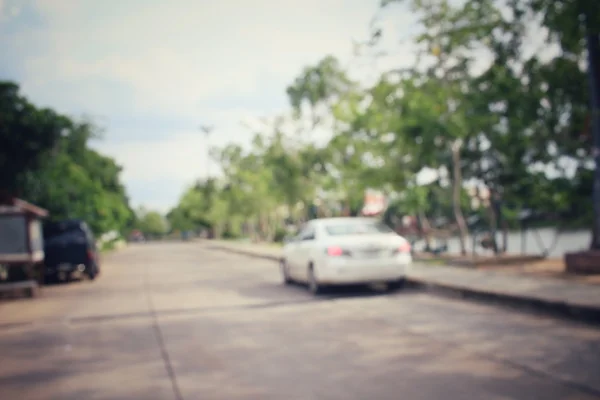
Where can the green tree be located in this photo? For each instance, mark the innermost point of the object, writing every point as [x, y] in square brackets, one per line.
[152, 223]
[501, 125]
[46, 159]
[27, 135]
[521, 110]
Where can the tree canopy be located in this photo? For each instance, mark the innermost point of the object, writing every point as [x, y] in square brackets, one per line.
[151, 223]
[478, 108]
[46, 158]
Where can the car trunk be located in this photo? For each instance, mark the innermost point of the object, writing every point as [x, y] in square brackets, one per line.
[68, 248]
[367, 245]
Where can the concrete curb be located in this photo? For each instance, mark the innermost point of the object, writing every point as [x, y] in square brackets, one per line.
[577, 312]
[244, 252]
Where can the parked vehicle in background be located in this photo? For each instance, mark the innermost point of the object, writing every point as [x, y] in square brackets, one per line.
[70, 250]
[136, 236]
[338, 251]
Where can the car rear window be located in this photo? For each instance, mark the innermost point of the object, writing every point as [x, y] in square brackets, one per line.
[64, 229]
[64, 238]
[356, 228]
[60, 228]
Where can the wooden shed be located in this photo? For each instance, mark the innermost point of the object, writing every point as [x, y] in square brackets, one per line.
[21, 245]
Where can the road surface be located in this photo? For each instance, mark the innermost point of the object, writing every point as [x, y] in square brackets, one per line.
[181, 321]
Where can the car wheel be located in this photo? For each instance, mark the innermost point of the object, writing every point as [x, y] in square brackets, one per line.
[285, 273]
[93, 272]
[395, 285]
[313, 283]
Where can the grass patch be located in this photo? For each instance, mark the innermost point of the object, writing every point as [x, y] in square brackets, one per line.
[432, 262]
[111, 245]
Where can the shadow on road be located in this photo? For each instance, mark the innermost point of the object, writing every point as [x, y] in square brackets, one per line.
[270, 290]
[58, 363]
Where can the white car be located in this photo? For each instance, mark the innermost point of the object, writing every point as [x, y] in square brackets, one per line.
[339, 251]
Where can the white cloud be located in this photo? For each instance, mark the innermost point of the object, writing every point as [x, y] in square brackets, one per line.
[175, 53]
[181, 156]
[8, 11]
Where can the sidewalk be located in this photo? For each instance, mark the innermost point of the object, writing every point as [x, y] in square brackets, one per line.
[558, 296]
[267, 251]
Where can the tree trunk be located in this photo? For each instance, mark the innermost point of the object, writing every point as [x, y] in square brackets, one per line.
[504, 237]
[263, 227]
[425, 228]
[456, 192]
[595, 245]
[273, 226]
[253, 227]
[267, 224]
[216, 231]
[346, 210]
[493, 227]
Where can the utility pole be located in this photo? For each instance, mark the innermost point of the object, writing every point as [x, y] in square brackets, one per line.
[207, 130]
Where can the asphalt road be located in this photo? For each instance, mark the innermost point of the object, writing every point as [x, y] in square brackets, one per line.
[180, 321]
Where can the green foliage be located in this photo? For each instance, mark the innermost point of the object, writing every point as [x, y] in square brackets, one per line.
[322, 84]
[501, 125]
[280, 235]
[229, 234]
[111, 244]
[27, 135]
[151, 223]
[46, 159]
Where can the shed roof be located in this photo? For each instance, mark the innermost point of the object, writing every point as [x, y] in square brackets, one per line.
[13, 204]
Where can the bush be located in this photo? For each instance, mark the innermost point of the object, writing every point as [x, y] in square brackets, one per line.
[280, 235]
[112, 244]
[229, 234]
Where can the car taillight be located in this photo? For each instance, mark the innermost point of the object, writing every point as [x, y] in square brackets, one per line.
[404, 248]
[90, 255]
[335, 251]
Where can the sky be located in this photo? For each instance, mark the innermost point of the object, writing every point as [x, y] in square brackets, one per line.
[152, 72]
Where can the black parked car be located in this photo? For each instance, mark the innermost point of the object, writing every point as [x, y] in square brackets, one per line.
[70, 249]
